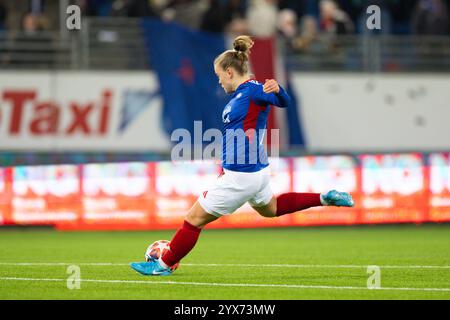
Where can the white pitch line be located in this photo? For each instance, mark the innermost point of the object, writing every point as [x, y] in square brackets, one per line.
[94, 264]
[215, 284]
[311, 266]
[106, 264]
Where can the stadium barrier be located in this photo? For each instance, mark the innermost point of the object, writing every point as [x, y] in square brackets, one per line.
[388, 188]
[124, 112]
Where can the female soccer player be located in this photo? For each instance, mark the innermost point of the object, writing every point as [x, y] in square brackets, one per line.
[245, 176]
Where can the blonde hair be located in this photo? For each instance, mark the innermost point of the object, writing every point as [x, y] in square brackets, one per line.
[238, 58]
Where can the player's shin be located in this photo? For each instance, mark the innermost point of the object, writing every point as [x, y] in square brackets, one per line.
[181, 244]
[293, 202]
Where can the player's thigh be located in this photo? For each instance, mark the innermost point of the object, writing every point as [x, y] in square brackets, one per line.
[198, 217]
[264, 202]
[229, 192]
[269, 210]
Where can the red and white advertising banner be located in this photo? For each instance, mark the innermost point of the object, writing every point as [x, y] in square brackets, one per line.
[393, 188]
[4, 199]
[439, 193]
[45, 194]
[390, 188]
[316, 174]
[177, 187]
[116, 193]
[69, 111]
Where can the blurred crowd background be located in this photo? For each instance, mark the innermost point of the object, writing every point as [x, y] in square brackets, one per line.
[290, 18]
[316, 34]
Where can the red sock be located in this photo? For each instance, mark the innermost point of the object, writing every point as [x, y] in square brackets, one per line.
[182, 243]
[293, 202]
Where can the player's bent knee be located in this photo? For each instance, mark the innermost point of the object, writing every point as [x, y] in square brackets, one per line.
[266, 212]
[269, 210]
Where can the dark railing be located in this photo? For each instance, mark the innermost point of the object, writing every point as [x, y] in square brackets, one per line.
[101, 44]
[43, 50]
[374, 53]
[118, 44]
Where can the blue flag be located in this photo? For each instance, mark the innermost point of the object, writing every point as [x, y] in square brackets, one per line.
[183, 60]
[296, 136]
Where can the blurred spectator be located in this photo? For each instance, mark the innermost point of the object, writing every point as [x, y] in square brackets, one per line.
[287, 29]
[186, 12]
[140, 8]
[308, 34]
[262, 18]
[3, 14]
[401, 12]
[119, 8]
[299, 7]
[32, 35]
[94, 7]
[158, 6]
[31, 24]
[430, 17]
[287, 23]
[116, 8]
[235, 16]
[225, 16]
[333, 20]
[85, 7]
[214, 19]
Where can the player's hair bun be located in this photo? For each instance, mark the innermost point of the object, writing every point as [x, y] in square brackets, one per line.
[243, 44]
[238, 58]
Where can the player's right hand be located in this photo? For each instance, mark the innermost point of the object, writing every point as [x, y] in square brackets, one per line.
[271, 86]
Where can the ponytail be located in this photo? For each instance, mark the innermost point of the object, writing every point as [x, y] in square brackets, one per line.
[238, 58]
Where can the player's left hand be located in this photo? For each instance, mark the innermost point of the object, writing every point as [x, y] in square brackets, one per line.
[271, 86]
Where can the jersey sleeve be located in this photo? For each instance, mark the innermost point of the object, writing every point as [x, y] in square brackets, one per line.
[280, 99]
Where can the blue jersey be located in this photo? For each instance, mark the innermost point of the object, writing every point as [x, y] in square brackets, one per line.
[245, 121]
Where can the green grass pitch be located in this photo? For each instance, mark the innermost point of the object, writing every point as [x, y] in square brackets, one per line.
[285, 263]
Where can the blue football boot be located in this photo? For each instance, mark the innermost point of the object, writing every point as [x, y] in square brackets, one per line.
[337, 199]
[150, 268]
